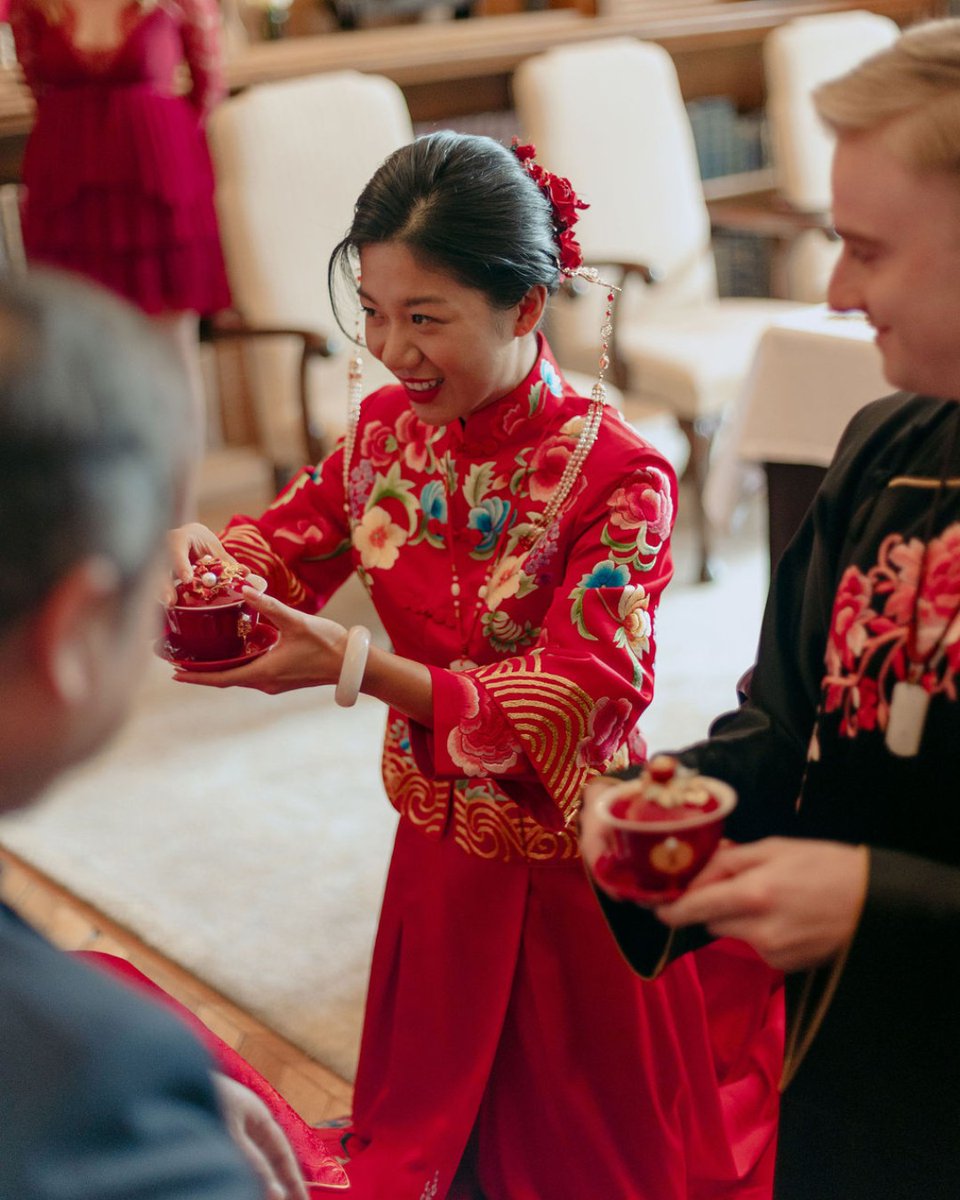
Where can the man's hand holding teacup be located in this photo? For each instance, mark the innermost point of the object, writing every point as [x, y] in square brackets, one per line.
[796, 901]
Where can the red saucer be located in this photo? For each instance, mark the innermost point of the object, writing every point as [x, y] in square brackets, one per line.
[263, 638]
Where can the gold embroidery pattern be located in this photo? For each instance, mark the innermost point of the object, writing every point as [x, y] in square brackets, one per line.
[424, 802]
[248, 545]
[484, 822]
[486, 828]
[497, 828]
[549, 845]
[550, 714]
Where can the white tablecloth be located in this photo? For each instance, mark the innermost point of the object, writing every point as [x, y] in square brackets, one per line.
[812, 372]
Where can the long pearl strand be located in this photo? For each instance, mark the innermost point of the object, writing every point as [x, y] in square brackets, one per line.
[588, 434]
[574, 465]
[354, 400]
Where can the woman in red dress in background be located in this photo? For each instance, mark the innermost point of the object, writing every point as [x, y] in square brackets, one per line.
[119, 185]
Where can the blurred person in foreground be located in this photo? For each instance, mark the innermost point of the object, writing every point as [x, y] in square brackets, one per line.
[103, 1094]
[848, 737]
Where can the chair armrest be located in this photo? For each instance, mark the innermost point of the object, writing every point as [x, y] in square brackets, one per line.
[231, 326]
[621, 271]
[778, 220]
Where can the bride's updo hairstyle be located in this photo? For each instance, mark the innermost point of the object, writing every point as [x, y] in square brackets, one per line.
[463, 205]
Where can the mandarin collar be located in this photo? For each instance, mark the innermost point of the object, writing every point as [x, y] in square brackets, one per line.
[515, 416]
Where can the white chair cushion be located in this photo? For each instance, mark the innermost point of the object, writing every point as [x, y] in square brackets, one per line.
[291, 159]
[609, 115]
[694, 361]
[798, 56]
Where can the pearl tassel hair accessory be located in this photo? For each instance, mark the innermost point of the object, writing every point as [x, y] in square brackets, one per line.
[354, 400]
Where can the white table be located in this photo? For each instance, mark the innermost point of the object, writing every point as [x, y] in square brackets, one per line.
[813, 370]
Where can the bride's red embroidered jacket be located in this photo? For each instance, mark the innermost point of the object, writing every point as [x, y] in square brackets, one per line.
[553, 642]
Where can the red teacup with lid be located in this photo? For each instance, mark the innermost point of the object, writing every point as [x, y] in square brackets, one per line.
[211, 620]
[646, 838]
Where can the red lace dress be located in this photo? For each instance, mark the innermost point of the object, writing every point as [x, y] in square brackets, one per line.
[119, 185]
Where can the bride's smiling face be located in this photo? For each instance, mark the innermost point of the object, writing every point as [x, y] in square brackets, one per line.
[449, 347]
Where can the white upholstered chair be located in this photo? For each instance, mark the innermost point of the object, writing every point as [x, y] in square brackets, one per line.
[798, 56]
[610, 116]
[291, 158]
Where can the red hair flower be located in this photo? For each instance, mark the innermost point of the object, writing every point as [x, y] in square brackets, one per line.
[564, 202]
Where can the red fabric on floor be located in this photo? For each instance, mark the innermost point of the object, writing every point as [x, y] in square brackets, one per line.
[319, 1167]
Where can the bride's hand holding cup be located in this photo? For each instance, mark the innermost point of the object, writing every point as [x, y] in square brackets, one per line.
[308, 653]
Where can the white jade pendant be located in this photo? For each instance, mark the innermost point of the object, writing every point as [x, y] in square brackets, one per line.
[908, 714]
[462, 664]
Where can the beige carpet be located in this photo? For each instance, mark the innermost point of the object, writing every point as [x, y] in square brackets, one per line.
[244, 836]
[247, 836]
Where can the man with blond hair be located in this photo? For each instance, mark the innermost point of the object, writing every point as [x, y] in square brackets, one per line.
[845, 750]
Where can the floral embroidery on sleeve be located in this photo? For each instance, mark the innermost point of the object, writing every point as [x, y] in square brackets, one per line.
[378, 444]
[483, 742]
[607, 726]
[644, 505]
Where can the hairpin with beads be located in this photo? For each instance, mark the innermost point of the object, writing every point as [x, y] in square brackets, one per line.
[566, 206]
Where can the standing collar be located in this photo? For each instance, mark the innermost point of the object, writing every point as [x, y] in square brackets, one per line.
[517, 415]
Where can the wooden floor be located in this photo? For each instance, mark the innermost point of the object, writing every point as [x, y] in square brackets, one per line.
[315, 1092]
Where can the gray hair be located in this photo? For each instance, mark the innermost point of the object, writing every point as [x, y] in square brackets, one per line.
[913, 87]
[93, 449]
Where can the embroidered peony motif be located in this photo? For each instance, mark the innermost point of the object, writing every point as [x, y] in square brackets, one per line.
[416, 438]
[646, 506]
[848, 632]
[551, 377]
[867, 651]
[940, 596]
[489, 519]
[483, 743]
[607, 728]
[433, 501]
[378, 444]
[605, 574]
[633, 751]
[547, 464]
[633, 627]
[378, 539]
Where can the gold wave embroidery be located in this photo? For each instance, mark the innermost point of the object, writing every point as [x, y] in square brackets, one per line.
[248, 544]
[489, 826]
[551, 714]
[424, 802]
[484, 828]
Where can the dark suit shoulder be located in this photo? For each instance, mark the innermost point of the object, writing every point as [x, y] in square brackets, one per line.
[883, 422]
